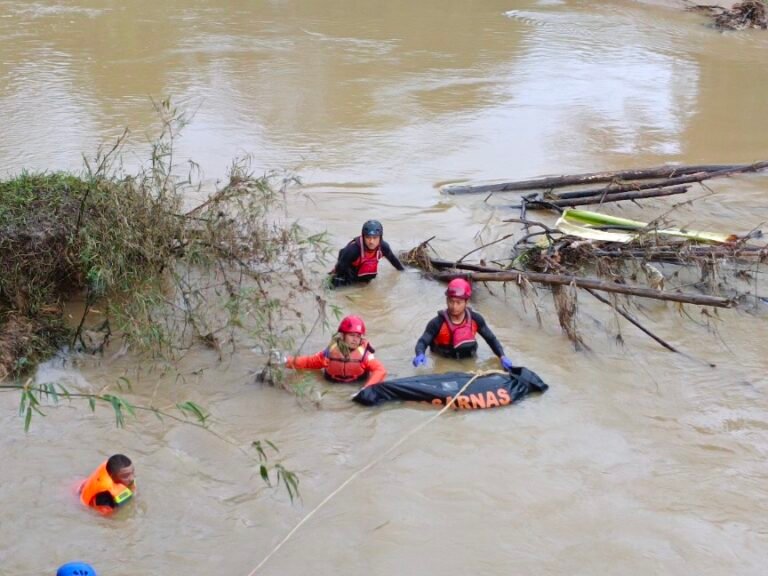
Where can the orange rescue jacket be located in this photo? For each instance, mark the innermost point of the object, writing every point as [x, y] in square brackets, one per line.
[100, 481]
[339, 369]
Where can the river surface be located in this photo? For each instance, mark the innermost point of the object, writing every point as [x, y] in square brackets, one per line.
[637, 461]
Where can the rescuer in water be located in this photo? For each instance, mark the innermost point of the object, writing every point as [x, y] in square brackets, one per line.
[348, 358]
[110, 486]
[452, 332]
[359, 260]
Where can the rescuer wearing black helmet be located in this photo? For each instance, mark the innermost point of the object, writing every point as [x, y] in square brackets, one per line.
[359, 260]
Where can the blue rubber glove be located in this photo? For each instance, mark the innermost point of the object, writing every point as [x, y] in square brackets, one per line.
[419, 360]
[506, 363]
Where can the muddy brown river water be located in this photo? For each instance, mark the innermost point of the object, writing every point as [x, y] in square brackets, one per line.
[637, 461]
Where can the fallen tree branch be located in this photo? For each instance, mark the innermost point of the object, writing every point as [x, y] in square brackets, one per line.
[484, 246]
[441, 264]
[448, 270]
[592, 283]
[529, 223]
[549, 182]
[632, 321]
[604, 197]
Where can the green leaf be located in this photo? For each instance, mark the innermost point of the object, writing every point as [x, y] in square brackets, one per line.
[271, 445]
[128, 407]
[289, 479]
[33, 401]
[64, 391]
[122, 381]
[260, 450]
[194, 409]
[116, 407]
[27, 419]
[264, 474]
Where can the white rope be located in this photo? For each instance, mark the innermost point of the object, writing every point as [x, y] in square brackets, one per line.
[367, 467]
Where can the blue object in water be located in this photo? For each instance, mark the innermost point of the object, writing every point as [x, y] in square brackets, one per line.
[76, 569]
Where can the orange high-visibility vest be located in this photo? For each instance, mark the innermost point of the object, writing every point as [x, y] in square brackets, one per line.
[346, 368]
[101, 481]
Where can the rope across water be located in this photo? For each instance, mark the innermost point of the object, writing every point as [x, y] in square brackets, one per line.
[368, 466]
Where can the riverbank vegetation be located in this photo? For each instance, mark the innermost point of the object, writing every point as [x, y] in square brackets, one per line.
[142, 264]
[162, 275]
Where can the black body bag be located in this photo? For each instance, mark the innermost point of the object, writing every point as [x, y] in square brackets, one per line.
[489, 391]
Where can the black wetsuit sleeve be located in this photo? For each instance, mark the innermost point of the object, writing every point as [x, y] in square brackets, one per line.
[487, 334]
[104, 499]
[347, 256]
[430, 333]
[389, 255]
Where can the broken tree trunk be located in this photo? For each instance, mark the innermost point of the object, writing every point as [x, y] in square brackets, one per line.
[603, 198]
[591, 283]
[549, 182]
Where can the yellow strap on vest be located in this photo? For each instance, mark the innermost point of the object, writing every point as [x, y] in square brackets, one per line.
[123, 497]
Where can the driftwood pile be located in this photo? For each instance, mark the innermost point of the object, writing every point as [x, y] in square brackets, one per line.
[646, 262]
[741, 16]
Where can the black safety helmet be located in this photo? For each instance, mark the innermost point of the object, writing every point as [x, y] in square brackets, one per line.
[373, 228]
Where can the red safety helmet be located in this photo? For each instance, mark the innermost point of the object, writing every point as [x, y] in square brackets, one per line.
[459, 288]
[352, 325]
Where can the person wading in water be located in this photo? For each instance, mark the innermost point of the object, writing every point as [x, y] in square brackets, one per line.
[359, 260]
[452, 332]
[348, 359]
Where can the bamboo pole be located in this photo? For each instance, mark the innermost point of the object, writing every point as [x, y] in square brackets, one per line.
[549, 182]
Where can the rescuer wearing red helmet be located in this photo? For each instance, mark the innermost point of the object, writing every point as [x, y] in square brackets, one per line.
[452, 332]
[348, 358]
[359, 260]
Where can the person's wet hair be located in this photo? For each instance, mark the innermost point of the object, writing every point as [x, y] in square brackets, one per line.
[117, 463]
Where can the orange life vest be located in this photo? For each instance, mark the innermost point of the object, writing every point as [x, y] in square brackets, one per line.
[346, 369]
[368, 262]
[101, 481]
[453, 338]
